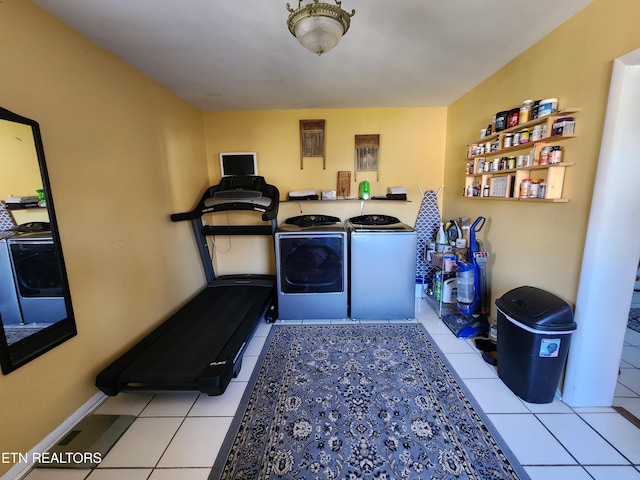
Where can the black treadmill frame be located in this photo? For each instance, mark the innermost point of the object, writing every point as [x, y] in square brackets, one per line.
[215, 374]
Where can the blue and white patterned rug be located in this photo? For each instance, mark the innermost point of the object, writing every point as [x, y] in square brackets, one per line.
[359, 402]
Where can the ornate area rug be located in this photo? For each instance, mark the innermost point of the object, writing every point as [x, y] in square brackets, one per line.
[634, 319]
[359, 402]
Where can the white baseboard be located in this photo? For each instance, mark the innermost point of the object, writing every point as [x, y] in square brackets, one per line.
[20, 469]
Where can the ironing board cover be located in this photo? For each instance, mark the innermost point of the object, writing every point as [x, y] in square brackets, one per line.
[426, 227]
[6, 220]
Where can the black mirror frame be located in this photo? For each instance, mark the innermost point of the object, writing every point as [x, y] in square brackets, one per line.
[17, 354]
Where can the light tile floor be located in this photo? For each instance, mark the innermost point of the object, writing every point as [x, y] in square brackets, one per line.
[627, 392]
[177, 435]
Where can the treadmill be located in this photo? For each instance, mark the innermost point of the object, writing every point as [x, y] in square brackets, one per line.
[200, 347]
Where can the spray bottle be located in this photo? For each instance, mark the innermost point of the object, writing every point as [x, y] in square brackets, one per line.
[365, 190]
[441, 238]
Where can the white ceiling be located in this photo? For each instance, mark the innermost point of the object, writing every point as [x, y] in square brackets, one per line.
[239, 54]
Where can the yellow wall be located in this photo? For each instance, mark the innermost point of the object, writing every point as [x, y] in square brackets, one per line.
[542, 244]
[123, 154]
[411, 153]
[18, 161]
[19, 169]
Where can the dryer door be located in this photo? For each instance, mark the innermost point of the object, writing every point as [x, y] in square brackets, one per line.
[311, 264]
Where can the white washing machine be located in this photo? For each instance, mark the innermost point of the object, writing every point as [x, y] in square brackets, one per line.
[311, 266]
[382, 268]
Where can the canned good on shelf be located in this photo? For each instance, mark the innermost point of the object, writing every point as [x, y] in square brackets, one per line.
[542, 192]
[535, 108]
[516, 138]
[501, 120]
[534, 188]
[544, 155]
[513, 117]
[548, 106]
[528, 161]
[564, 125]
[525, 111]
[536, 133]
[555, 155]
[508, 140]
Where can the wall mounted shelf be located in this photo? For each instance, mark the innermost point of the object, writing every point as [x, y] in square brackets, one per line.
[504, 184]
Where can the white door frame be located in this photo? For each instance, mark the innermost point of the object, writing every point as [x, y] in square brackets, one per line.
[612, 247]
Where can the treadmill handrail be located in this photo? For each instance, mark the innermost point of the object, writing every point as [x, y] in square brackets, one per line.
[207, 204]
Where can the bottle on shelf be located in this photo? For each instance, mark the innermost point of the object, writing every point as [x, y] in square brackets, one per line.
[525, 111]
[437, 285]
[525, 187]
[441, 238]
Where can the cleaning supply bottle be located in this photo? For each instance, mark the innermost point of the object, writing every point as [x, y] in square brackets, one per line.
[365, 191]
[441, 237]
[437, 285]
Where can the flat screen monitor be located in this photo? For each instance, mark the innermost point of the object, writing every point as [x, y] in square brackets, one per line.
[238, 163]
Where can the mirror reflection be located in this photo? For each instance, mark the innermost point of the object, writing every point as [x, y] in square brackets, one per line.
[35, 305]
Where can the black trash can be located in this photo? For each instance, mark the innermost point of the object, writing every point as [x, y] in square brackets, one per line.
[534, 332]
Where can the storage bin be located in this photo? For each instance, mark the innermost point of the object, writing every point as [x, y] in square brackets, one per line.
[534, 333]
[445, 261]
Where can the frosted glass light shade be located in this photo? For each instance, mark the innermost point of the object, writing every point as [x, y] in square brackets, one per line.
[318, 26]
[319, 34]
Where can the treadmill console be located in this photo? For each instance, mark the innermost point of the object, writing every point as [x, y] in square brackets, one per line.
[240, 186]
[239, 192]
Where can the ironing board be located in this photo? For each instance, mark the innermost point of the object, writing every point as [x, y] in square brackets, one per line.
[6, 220]
[427, 225]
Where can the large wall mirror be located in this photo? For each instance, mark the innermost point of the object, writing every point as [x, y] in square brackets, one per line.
[35, 304]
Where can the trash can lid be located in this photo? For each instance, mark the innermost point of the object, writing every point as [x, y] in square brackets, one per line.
[537, 309]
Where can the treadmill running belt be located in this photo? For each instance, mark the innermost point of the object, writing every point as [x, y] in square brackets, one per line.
[197, 347]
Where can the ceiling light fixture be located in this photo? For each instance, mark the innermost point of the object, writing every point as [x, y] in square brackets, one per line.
[319, 26]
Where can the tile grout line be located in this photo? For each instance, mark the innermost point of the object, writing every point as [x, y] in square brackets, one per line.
[630, 463]
[628, 415]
